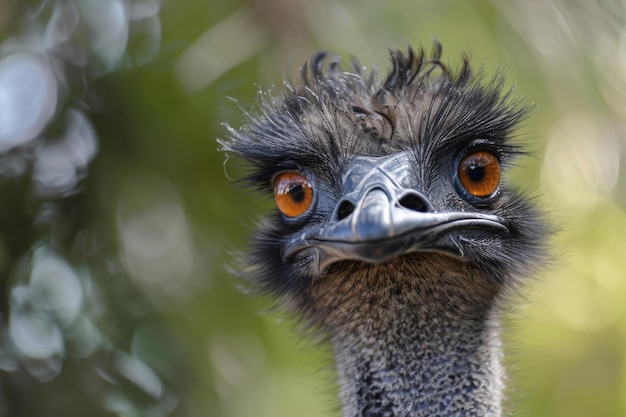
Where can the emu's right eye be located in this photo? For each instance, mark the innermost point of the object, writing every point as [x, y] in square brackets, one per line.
[479, 173]
[293, 194]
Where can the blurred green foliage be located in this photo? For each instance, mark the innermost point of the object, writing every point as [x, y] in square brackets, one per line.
[156, 218]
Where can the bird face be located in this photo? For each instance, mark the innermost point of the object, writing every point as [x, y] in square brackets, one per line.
[405, 178]
[382, 214]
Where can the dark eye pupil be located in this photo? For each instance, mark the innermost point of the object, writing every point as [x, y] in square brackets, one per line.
[296, 191]
[475, 172]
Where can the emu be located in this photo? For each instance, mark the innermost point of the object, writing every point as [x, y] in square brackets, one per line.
[396, 234]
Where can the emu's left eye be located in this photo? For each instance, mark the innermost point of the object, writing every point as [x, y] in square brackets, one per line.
[479, 173]
[293, 194]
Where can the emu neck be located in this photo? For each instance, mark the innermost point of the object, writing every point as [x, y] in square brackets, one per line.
[417, 347]
[434, 368]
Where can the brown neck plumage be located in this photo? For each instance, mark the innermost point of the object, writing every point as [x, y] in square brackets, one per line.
[407, 344]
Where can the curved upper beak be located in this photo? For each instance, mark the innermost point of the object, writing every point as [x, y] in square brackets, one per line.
[378, 219]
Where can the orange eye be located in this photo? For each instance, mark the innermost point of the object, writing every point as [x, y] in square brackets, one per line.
[293, 194]
[479, 173]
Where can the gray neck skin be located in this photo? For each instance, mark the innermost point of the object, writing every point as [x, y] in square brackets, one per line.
[422, 367]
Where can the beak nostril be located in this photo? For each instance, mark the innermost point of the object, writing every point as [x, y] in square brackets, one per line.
[414, 202]
[344, 210]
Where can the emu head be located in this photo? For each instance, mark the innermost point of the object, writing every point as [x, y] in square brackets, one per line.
[391, 193]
